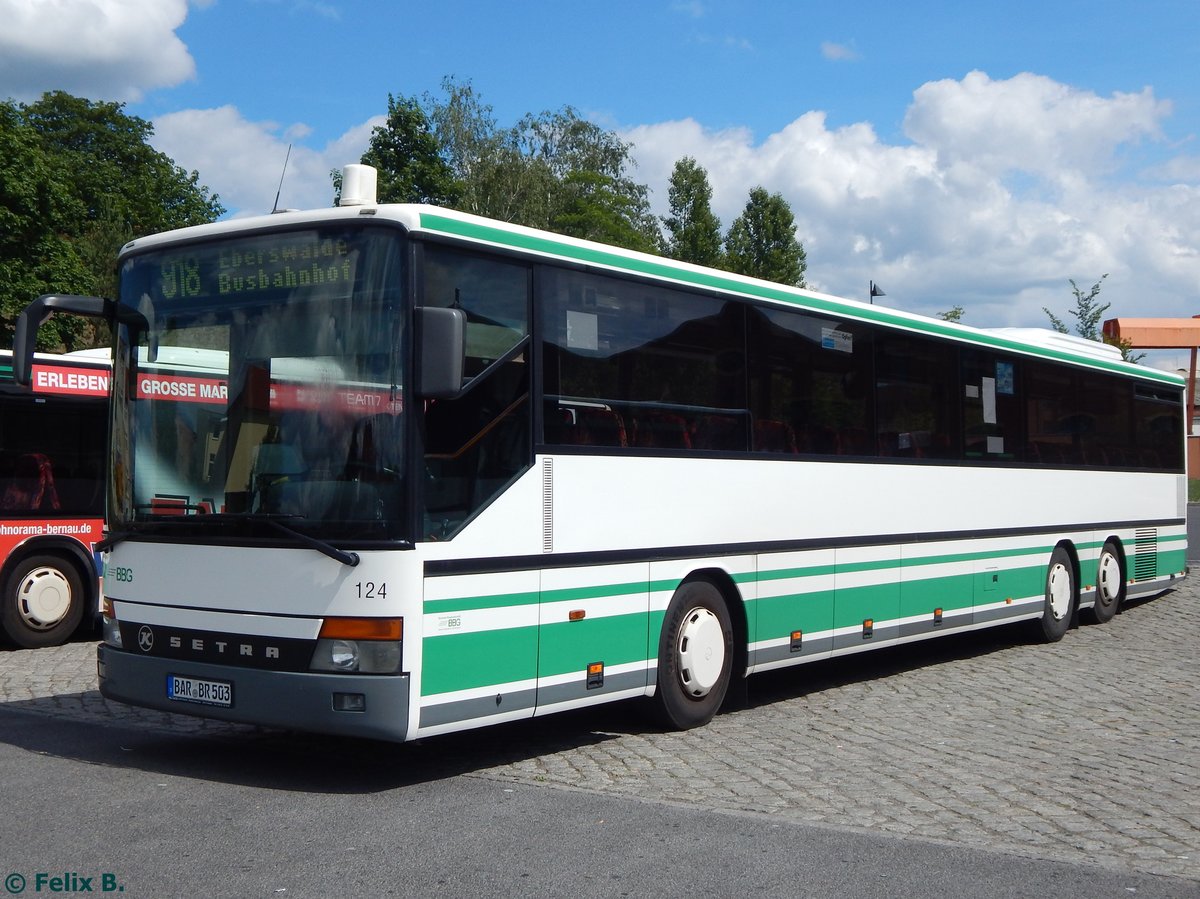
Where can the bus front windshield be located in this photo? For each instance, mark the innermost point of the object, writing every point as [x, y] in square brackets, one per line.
[257, 385]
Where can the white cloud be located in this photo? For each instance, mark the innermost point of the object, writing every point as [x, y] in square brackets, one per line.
[242, 161]
[838, 52]
[101, 49]
[1006, 190]
[1030, 123]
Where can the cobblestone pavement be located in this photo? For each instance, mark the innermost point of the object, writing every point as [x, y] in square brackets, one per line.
[1083, 751]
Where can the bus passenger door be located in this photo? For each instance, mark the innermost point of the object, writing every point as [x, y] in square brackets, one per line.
[593, 635]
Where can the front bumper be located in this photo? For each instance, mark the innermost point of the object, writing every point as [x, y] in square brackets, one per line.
[292, 700]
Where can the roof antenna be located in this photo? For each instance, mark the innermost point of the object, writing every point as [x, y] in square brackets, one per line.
[275, 208]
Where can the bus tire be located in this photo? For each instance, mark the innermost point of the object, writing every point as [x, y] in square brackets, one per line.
[1060, 598]
[1110, 584]
[43, 601]
[695, 656]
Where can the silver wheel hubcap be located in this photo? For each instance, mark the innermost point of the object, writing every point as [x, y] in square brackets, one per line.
[1110, 578]
[1058, 591]
[701, 652]
[44, 598]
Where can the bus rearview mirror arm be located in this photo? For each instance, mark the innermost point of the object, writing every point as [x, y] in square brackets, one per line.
[31, 318]
[33, 315]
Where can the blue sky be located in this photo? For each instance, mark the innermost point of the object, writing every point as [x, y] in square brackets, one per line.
[957, 154]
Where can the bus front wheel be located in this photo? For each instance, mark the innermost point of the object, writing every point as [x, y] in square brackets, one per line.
[695, 656]
[1060, 598]
[43, 602]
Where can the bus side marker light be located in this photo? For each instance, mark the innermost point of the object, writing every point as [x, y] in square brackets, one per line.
[576, 615]
[797, 641]
[595, 675]
[868, 627]
[937, 616]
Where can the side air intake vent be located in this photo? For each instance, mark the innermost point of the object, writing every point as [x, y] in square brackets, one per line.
[1145, 554]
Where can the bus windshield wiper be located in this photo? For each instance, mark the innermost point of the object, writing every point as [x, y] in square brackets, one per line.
[275, 520]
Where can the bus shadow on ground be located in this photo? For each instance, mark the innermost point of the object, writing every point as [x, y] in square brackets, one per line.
[283, 760]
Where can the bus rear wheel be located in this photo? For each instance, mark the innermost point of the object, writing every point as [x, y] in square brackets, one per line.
[695, 656]
[1060, 598]
[1110, 584]
[43, 602]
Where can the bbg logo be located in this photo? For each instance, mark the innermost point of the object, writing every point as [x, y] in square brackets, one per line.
[121, 575]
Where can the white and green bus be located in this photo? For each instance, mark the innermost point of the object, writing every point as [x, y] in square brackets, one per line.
[443, 472]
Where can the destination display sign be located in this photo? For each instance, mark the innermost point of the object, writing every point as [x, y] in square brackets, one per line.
[250, 265]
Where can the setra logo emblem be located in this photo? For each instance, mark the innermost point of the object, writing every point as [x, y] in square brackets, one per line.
[145, 639]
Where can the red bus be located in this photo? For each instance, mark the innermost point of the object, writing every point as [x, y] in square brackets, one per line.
[52, 458]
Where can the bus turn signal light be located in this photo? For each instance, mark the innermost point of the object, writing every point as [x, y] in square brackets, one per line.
[362, 629]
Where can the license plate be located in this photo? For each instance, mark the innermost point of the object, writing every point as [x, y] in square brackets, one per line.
[198, 690]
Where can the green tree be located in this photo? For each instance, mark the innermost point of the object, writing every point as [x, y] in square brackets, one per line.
[114, 167]
[77, 180]
[1089, 315]
[954, 315]
[553, 170]
[693, 231]
[407, 156]
[762, 241]
[1088, 312]
[38, 211]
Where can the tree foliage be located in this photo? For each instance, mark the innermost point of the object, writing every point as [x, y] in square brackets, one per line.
[762, 241]
[78, 179]
[405, 153]
[552, 170]
[1088, 312]
[1089, 316]
[557, 171]
[693, 231]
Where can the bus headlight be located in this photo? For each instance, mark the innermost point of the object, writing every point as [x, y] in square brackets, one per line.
[359, 646]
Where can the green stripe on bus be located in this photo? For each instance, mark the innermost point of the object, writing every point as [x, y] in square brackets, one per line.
[481, 659]
[572, 645]
[1171, 562]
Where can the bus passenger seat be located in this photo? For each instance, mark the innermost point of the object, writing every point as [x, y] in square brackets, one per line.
[32, 485]
[601, 427]
[662, 430]
[772, 436]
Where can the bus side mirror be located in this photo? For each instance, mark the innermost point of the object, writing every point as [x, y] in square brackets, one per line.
[441, 351]
[31, 318]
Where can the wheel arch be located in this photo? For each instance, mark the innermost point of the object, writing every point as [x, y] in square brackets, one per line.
[736, 605]
[1119, 544]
